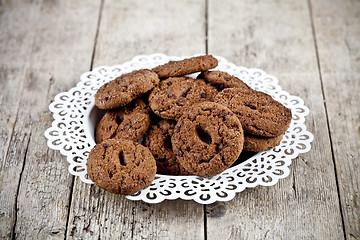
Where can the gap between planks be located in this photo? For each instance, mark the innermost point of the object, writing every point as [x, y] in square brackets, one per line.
[23, 164]
[96, 34]
[18, 189]
[326, 113]
[206, 25]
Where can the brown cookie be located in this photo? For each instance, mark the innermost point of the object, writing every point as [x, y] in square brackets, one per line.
[258, 112]
[171, 97]
[222, 80]
[128, 122]
[208, 139]
[186, 66]
[122, 90]
[258, 144]
[121, 166]
[158, 140]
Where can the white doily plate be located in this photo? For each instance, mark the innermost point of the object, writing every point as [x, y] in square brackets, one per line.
[75, 117]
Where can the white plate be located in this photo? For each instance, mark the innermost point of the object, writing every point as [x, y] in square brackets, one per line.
[75, 117]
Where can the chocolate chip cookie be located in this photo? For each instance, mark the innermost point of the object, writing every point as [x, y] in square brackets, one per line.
[128, 122]
[258, 112]
[170, 98]
[124, 89]
[222, 80]
[186, 66]
[208, 139]
[158, 140]
[121, 166]
[258, 144]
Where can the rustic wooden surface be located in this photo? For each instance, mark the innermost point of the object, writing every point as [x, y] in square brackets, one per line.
[297, 202]
[312, 46]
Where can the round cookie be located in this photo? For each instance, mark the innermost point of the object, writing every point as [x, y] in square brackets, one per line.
[158, 140]
[258, 112]
[208, 139]
[128, 122]
[125, 88]
[186, 66]
[258, 144]
[121, 166]
[171, 97]
[222, 80]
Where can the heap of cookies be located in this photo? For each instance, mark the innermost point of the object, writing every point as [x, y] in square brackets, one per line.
[188, 126]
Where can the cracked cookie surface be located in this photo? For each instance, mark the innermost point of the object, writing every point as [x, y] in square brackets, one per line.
[258, 112]
[186, 66]
[208, 139]
[171, 97]
[222, 80]
[125, 88]
[128, 122]
[121, 166]
[158, 140]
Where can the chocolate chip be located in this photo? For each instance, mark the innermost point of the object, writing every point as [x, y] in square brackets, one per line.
[222, 114]
[110, 174]
[203, 95]
[169, 83]
[169, 95]
[180, 153]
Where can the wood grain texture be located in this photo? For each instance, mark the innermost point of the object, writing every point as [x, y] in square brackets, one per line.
[313, 47]
[13, 52]
[169, 27]
[143, 27]
[37, 47]
[337, 35]
[276, 36]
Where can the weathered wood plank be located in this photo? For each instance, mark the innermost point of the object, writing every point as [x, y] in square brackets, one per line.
[277, 37]
[169, 27]
[129, 28]
[13, 52]
[37, 47]
[337, 35]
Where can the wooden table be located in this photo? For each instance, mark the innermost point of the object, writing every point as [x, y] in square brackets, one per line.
[312, 46]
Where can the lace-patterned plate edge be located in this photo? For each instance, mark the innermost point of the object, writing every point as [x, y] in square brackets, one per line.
[70, 135]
